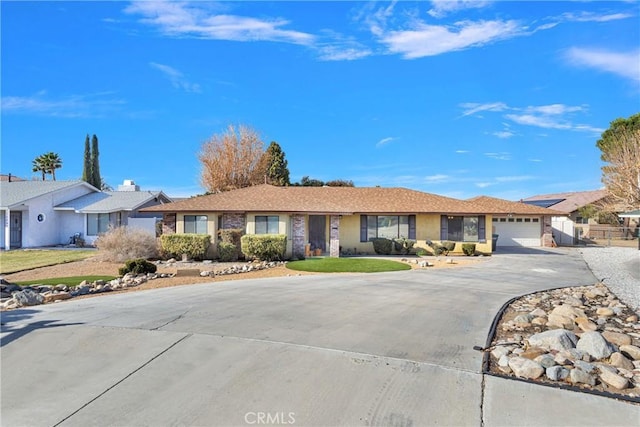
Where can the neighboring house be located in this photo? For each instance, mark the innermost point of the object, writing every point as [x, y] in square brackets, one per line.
[46, 213]
[340, 219]
[570, 225]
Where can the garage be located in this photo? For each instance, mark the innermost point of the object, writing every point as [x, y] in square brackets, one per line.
[523, 231]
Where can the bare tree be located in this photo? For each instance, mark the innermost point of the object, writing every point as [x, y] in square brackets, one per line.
[621, 174]
[233, 159]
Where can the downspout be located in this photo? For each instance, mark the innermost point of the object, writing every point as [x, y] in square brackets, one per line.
[7, 229]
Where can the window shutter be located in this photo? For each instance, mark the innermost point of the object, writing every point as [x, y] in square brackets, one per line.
[444, 227]
[412, 227]
[363, 228]
[482, 232]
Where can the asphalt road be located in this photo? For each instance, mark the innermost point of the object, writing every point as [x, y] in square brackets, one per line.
[379, 349]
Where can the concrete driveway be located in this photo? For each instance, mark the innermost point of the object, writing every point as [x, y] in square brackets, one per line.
[382, 349]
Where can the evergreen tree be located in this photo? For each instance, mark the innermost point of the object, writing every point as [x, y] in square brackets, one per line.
[87, 174]
[51, 161]
[277, 170]
[96, 180]
[39, 166]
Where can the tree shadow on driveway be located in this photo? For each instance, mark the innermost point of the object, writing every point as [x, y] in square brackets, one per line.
[13, 325]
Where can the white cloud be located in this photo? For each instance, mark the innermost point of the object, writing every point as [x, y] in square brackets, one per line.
[71, 106]
[462, 152]
[499, 156]
[385, 141]
[471, 108]
[484, 184]
[623, 64]
[341, 52]
[199, 20]
[442, 8]
[503, 134]
[438, 178]
[429, 40]
[176, 78]
[593, 17]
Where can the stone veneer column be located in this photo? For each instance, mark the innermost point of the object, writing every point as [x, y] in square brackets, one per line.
[334, 236]
[298, 243]
[547, 232]
[233, 220]
[168, 223]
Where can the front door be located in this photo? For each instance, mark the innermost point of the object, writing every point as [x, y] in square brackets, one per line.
[15, 230]
[317, 232]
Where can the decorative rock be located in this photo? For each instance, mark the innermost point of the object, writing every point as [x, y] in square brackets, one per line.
[604, 312]
[28, 298]
[83, 289]
[532, 353]
[559, 321]
[61, 288]
[585, 324]
[60, 296]
[584, 366]
[594, 344]
[525, 368]
[568, 311]
[573, 301]
[499, 351]
[539, 321]
[503, 362]
[631, 350]
[618, 360]
[557, 373]
[538, 312]
[617, 338]
[631, 319]
[577, 376]
[614, 380]
[557, 339]
[523, 319]
[545, 360]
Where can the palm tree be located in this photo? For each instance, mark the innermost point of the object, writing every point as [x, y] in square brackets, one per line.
[47, 163]
[52, 161]
[39, 166]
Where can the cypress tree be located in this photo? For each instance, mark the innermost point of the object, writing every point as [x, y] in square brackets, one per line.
[96, 180]
[87, 175]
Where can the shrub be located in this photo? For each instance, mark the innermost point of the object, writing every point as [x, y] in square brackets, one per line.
[230, 236]
[137, 266]
[381, 245]
[449, 246]
[469, 249]
[227, 252]
[423, 252]
[403, 245]
[193, 245]
[122, 243]
[265, 247]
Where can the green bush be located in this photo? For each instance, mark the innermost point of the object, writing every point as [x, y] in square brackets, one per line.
[233, 236]
[227, 252]
[449, 246]
[265, 247]
[403, 245]
[193, 245]
[423, 252]
[137, 266]
[381, 245]
[469, 249]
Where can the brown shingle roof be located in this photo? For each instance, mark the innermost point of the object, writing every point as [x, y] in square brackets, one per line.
[328, 200]
[571, 201]
[501, 206]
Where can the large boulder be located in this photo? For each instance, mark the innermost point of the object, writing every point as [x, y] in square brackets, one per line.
[525, 368]
[556, 339]
[594, 343]
[28, 297]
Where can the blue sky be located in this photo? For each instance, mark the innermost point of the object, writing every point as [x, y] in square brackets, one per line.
[457, 98]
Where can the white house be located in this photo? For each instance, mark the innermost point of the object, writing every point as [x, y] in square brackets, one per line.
[47, 213]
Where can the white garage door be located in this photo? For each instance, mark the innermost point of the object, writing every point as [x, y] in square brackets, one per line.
[521, 231]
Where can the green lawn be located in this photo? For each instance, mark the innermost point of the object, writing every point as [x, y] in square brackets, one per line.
[26, 259]
[69, 281]
[347, 265]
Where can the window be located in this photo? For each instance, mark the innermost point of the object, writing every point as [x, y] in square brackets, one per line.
[195, 224]
[387, 226]
[97, 223]
[268, 224]
[463, 228]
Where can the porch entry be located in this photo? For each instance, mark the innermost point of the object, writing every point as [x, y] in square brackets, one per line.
[318, 232]
[15, 229]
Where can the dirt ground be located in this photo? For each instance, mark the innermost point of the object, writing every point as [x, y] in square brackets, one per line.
[93, 267]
